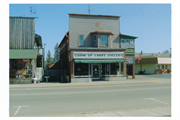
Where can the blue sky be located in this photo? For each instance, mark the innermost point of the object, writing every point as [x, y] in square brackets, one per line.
[150, 22]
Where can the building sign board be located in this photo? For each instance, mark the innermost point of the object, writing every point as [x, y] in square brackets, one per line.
[97, 55]
[129, 60]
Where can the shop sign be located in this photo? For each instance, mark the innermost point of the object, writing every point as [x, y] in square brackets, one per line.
[129, 60]
[101, 55]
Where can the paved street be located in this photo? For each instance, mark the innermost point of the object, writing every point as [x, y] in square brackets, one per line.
[152, 99]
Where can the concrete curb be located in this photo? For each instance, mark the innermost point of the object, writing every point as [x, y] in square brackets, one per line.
[102, 83]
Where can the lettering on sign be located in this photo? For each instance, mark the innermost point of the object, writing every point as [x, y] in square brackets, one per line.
[98, 55]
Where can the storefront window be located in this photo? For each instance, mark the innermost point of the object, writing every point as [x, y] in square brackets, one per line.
[122, 68]
[162, 66]
[81, 69]
[114, 68]
[20, 68]
[105, 69]
[158, 67]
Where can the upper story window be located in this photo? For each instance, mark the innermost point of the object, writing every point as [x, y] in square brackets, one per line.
[104, 40]
[100, 38]
[81, 40]
[94, 40]
[132, 43]
[127, 43]
[123, 43]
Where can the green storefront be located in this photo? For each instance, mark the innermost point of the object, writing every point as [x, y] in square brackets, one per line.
[92, 66]
[22, 65]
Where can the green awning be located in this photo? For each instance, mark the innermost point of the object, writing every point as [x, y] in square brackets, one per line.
[98, 60]
[23, 54]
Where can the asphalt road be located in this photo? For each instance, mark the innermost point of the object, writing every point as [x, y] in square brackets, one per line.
[66, 101]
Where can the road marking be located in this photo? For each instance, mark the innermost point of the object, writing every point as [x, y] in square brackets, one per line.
[155, 100]
[19, 108]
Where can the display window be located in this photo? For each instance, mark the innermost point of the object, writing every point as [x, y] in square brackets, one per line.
[81, 69]
[98, 70]
[20, 68]
[105, 69]
[114, 68]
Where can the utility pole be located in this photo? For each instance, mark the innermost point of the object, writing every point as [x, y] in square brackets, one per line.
[44, 53]
[170, 52]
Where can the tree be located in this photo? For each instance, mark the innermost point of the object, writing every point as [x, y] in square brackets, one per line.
[56, 53]
[49, 59]
[166, 51]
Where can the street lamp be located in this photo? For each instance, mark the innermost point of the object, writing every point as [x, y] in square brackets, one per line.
[44, 49]
[44, 53]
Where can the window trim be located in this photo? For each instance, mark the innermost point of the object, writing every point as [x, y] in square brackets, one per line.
[79, 40]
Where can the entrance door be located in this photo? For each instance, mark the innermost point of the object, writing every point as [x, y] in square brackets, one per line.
[129, 69]
[95, 71]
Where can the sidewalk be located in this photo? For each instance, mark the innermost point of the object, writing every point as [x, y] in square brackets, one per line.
[161, 111]
[139, 80]
[158, 111]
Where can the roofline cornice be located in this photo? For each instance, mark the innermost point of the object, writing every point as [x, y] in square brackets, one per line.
[93, 15]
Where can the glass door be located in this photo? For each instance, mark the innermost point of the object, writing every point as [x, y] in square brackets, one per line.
[96, 71]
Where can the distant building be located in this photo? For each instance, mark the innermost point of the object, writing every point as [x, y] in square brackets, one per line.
[94, 49]
[153, 63]
[25, 61]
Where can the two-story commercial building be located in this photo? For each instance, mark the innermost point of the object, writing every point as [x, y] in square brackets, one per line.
[94, 49]
[25, 61]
